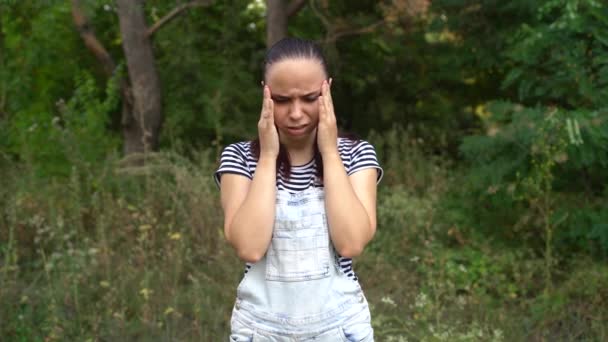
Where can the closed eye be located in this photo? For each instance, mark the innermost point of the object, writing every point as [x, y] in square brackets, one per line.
[312, 98]
[280, 99]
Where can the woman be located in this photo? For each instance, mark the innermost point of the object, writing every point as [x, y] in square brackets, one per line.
[299, 202]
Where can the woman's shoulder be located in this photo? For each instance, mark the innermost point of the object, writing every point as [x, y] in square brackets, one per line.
[242, 148]
[348, 145]
[358, 155]
[244, 145]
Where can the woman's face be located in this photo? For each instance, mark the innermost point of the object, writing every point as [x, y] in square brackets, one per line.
[295, 85]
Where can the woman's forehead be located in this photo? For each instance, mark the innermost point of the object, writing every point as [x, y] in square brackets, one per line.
[302, 73]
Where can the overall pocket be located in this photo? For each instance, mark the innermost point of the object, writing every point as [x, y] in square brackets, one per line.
[299, 250]
[334, 335]
[239, 331]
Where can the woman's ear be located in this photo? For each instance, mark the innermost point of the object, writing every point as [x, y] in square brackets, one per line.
[330, 79]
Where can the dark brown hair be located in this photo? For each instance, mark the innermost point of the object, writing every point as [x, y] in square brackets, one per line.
[294, 48]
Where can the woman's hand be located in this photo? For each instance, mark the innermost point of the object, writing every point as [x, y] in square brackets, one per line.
[327, 131]
[267, 132]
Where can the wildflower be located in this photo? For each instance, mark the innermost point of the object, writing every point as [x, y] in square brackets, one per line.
[421, 300]
[145, 227]
[146, 292]
[388, 300]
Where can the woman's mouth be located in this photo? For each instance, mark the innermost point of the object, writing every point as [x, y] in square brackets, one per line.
[296, 130]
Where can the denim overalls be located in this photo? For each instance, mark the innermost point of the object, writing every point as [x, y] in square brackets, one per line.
[297, 292]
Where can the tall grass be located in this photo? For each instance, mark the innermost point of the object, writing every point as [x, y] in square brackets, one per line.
[115, 253]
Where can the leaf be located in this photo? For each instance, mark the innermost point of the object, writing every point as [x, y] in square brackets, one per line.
[600, 232]
[602, 36]
[599, 13]
[512, 76]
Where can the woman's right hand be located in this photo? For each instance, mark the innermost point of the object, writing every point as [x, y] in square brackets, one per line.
[267, 132]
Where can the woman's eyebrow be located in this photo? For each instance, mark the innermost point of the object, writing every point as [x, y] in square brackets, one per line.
[285, 97]
[317, 92]
[277, 96]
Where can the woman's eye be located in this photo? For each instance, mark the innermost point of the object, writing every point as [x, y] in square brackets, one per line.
[312, 98]
[280, 100]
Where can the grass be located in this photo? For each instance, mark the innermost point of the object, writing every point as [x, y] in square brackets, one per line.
[136, 253]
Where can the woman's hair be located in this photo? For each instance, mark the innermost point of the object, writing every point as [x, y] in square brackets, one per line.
[293, 48]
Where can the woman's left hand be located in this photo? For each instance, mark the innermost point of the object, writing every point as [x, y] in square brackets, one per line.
[327, 131]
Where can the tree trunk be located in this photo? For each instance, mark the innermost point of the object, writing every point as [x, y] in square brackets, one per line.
[141, 125]
[276, 21]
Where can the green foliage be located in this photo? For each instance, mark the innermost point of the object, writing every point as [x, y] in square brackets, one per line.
[211, 87]
[561, 58]
[420, 173]
[42, 66]
[390, 78]
[542, 149]
[74, 136]
[532, 153]
[37, 40]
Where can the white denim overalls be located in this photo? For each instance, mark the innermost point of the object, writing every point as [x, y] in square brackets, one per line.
[297, 292]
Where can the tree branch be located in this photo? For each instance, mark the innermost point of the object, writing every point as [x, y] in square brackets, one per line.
[332, 37]
[334, 33]
[294, 7]
[321, 17]
[175, 12]
[94, 45]
[90, 40]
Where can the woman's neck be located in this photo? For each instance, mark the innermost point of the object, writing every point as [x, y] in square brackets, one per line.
[300, 156]
[301, 152]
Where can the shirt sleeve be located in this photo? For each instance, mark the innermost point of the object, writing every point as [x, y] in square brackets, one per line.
[363, 156]
[232, 160]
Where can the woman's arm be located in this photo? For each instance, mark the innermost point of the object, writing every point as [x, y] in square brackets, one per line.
[249, 210]
[350, 203]
[249, 206]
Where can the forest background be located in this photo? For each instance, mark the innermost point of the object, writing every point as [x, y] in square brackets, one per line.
[490, 119]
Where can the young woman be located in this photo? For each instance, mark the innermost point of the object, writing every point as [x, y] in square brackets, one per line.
[299, 202]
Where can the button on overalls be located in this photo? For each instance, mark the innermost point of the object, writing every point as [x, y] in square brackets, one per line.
[297, 292]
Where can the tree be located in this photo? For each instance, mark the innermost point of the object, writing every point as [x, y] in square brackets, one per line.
[142, 127]
[277, 16]
[142, 115]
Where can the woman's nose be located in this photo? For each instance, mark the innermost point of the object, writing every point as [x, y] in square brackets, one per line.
[295, 111]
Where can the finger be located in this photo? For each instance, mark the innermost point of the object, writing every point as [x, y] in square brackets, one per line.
[266, 103]
[327, 100]
[270, 114]
[330, 101]
[322, 109]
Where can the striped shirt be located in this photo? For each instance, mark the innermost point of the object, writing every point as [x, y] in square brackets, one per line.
[356, 155]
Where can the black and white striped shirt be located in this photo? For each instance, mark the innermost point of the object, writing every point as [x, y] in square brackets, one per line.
[356, 155]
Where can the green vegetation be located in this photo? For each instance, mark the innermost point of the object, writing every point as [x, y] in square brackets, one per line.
[490, 120]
